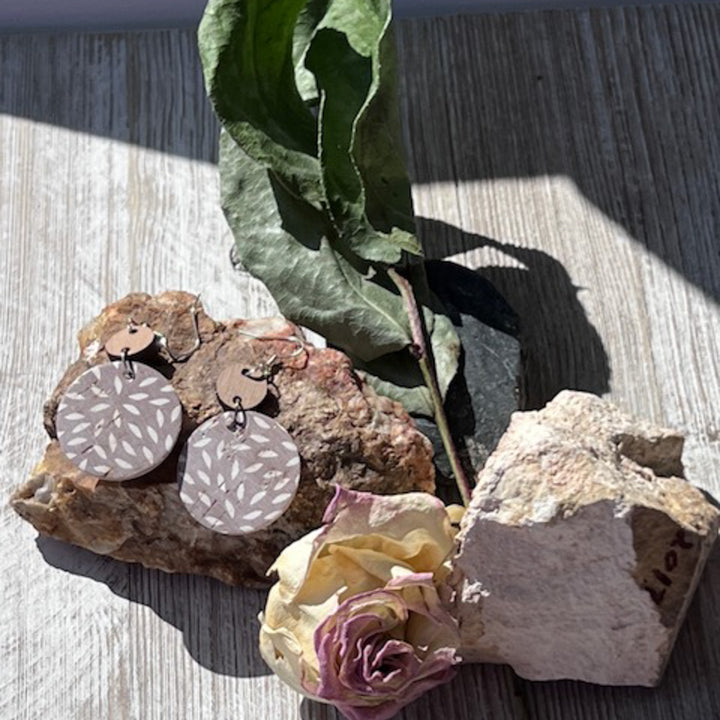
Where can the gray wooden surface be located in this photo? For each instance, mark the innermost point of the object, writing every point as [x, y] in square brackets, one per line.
[573, 157]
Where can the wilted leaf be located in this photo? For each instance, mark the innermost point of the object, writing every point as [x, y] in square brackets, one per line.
[246, 48]
[286, 243]
[314, 183]
[352, 58]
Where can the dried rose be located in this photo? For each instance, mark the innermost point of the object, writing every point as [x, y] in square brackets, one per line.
[384, 648]
[399, 544]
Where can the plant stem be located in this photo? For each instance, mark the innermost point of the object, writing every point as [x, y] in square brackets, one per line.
[422, 351]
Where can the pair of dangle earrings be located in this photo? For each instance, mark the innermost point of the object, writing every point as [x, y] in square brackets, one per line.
[238, 471]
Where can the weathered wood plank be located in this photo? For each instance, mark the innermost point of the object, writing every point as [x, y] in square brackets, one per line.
[573, 156]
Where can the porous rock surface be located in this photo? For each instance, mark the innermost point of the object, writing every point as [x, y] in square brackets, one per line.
[344, 431]
[582, 547]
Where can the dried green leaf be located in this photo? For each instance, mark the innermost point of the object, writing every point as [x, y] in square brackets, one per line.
[287, 244]
[246, 48]
[314, 183]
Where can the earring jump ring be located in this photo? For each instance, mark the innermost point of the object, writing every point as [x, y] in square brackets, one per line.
[239, 420]
[128, 369]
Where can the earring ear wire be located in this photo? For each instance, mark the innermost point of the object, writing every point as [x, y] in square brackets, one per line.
[163, 341]
[265, 368]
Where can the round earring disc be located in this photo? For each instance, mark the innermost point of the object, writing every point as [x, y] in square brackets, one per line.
[238, 481]
[115, 427]
[134, 339]
[234, 382]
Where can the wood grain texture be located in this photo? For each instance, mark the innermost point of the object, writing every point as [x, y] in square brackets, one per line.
[571, 156]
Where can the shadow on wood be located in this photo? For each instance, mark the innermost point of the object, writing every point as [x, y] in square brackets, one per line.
[140, 88]
[621, 102]
[218, 623]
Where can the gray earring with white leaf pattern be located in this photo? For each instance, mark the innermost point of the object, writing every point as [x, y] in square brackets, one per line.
[239, 471]
[120, 420]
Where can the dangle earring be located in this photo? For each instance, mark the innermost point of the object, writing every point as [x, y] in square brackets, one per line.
[120, 420]
[239, 471]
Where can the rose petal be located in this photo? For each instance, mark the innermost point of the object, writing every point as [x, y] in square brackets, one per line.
[415, 525]
[367, 665]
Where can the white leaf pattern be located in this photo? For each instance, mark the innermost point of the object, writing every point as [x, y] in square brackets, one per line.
[240, 473]
[204, 477]
[257, 497]
[99, 403]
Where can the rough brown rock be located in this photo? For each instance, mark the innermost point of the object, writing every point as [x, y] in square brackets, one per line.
[345, 433]
[582, 547]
